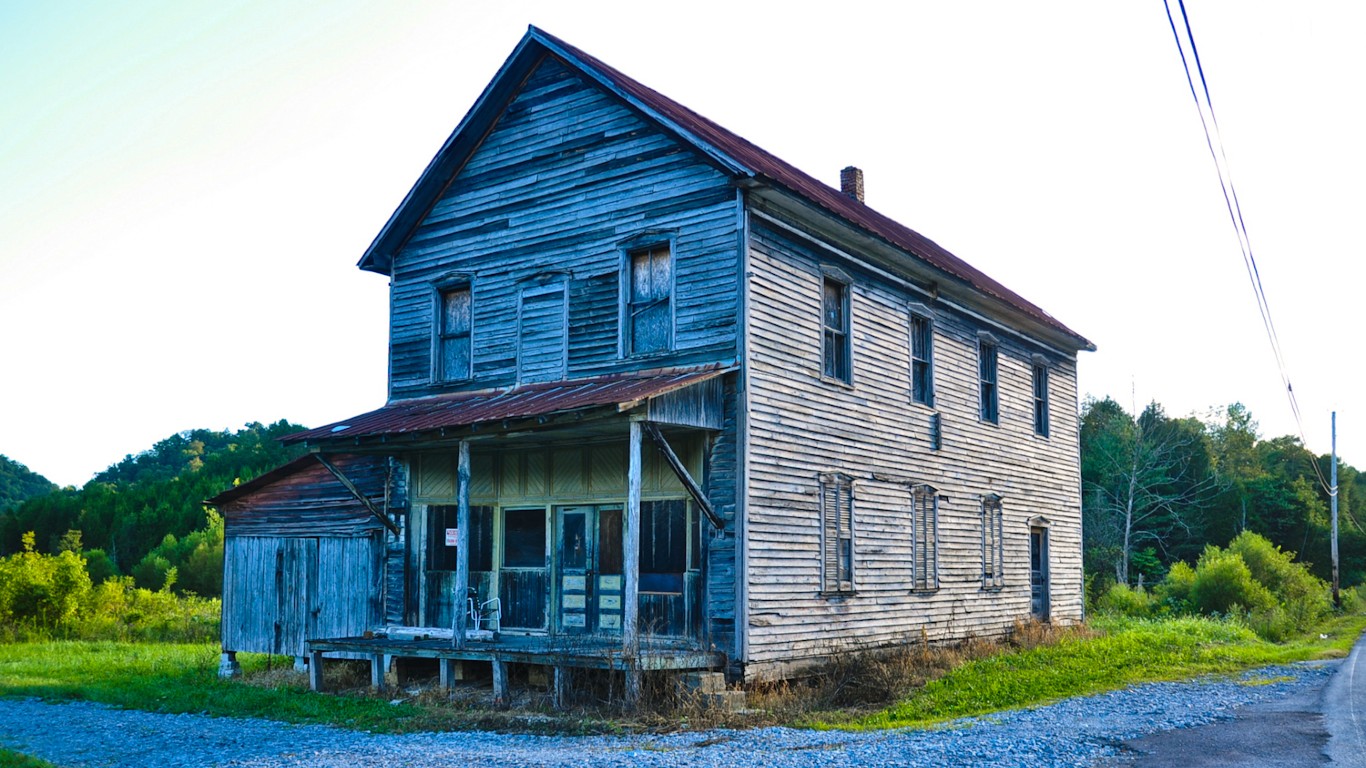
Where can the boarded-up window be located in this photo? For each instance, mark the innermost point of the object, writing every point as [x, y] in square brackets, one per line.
[663, 545]
[453, 338]
[924, 538]
[442, 530]
[922, 352]
[541, 337]
[649, 307]
[837, 532]
[1040, 399]
[524, 538]
[993, 549]
[986, 375]
[835, 330]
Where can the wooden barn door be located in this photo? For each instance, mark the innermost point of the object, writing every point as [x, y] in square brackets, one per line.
[296, 579]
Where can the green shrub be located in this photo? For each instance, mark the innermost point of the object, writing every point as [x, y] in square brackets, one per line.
[1304, 599]
[1223, 582]
[50, 596]
[1124, 600]
[42, 590]
[1175, 589]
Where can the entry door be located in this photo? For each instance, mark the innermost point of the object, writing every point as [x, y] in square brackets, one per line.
[1038, 572]
[588, 570]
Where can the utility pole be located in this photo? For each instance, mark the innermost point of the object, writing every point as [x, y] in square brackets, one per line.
[1333, 499]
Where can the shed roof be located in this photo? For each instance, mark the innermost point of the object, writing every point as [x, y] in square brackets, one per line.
[737, 155]
[464, 409]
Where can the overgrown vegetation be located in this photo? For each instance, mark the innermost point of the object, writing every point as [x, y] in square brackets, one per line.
[145, 516]
[1251, 581]
[51, 596]
[1157, 490]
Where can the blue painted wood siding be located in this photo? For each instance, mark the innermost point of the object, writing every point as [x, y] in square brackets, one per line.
[568, 180]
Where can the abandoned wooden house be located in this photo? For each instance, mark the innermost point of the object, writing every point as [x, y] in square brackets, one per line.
[660, 400]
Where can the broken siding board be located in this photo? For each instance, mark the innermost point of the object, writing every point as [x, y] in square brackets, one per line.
[563, 184]
[801, 425]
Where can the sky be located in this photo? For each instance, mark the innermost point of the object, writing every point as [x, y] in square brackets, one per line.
[186, 186]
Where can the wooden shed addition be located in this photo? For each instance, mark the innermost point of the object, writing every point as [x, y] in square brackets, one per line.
[660, 400]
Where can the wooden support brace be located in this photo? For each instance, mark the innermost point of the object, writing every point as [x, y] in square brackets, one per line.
[350, 486]
[501, 697]
[451, 670]
[564, 681]
[315, 671]
[694, 489]
[634, 680]
[377, 671]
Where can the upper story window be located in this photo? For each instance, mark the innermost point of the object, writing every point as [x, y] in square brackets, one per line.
[922, 358]
[1040, 398]
[837, 532]
[835, 341]
[986, 378]
[648, 314]
[453, 348]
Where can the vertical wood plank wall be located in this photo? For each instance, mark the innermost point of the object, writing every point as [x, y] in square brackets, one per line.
[801, 425]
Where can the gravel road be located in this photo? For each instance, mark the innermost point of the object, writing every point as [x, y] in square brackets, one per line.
[1069, 733]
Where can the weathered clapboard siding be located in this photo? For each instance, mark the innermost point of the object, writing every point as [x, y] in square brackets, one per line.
[311, 502]
[801, 425]
[567, 174]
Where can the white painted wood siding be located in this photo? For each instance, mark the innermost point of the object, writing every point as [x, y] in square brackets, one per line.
[801, 425]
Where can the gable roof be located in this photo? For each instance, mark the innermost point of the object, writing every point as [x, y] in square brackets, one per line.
[736, 155]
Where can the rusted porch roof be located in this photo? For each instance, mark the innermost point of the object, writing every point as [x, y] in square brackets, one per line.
[463, 409]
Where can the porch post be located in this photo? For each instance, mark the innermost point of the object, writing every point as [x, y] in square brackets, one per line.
[630, 547]
[459, 616]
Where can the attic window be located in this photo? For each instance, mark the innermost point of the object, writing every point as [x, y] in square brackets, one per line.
[453, 348]
[647, 321]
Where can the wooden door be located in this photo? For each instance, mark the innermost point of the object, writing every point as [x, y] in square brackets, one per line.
[589, 575]
[1038, 573]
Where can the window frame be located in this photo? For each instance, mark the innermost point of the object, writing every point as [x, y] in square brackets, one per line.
[924, 548]
[993, 545]
[840, 339]
[440, 335]
[625, 323]
[920, 316]
[1039, 385]
[988, 378]
[838, 571]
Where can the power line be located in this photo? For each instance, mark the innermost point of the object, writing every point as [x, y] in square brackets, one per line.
[1214, 139]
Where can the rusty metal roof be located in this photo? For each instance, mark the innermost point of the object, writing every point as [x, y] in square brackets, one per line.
[463, 409]
[774, 169]
[736, 154]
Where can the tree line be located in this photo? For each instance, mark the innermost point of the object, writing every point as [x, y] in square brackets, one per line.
[1158, 490]
[144, 516]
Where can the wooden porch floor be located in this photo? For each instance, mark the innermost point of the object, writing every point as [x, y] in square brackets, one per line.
[557, 651]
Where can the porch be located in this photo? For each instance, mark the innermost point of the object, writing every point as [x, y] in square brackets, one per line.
[561, 653]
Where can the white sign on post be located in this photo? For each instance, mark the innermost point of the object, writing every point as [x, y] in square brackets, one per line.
[451, 535]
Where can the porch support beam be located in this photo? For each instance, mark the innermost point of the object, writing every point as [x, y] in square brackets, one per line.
[630, 547]
[459, 616]
[351, 487]
[683, 475]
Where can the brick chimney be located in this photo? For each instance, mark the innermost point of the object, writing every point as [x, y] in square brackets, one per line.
[851, 182]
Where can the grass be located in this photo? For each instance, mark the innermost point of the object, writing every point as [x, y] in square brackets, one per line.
[10, 759]
[930, 684]
[163, 677]
[1128, 651]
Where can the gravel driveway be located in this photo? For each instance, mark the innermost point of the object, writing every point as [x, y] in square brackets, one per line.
[1070, 733]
